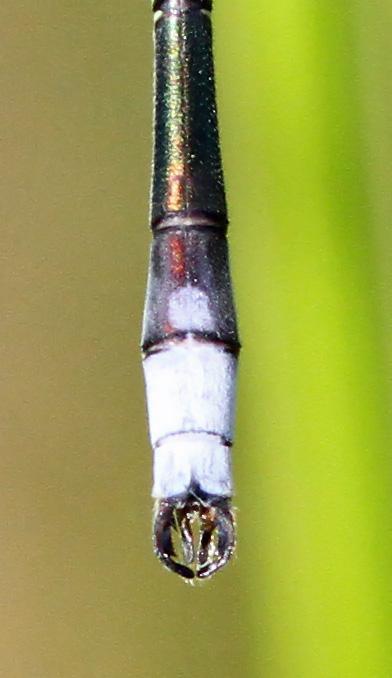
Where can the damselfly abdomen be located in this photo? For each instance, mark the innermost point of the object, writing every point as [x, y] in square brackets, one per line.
[190, 341]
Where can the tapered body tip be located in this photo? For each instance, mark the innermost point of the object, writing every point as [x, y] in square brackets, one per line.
[190, 341]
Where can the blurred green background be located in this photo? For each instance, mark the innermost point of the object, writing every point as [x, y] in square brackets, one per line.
[305, 100]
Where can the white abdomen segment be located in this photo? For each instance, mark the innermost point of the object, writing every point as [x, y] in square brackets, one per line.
[191, 397]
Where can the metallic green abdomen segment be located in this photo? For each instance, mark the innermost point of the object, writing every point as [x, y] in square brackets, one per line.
[188, 178]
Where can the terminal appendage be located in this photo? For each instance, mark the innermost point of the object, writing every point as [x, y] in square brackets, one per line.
[194, 538]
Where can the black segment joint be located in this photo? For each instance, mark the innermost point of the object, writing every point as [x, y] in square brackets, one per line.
[224, 441]
[164, 343]
[181, 5]
[190, 219]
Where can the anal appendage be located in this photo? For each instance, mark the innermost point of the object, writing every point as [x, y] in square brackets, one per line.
[192, 537]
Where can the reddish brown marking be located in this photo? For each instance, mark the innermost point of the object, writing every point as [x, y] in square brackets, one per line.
[176, 193]
[168, 328]
[177, 257]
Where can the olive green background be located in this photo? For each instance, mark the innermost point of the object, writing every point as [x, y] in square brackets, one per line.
[305, 100]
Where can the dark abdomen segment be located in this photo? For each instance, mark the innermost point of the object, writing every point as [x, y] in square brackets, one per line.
[189, 288]
[187, 176]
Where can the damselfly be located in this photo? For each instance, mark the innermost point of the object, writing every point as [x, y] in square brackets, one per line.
[190, 342]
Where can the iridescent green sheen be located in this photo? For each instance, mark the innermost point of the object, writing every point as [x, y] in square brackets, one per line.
[187, 172]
